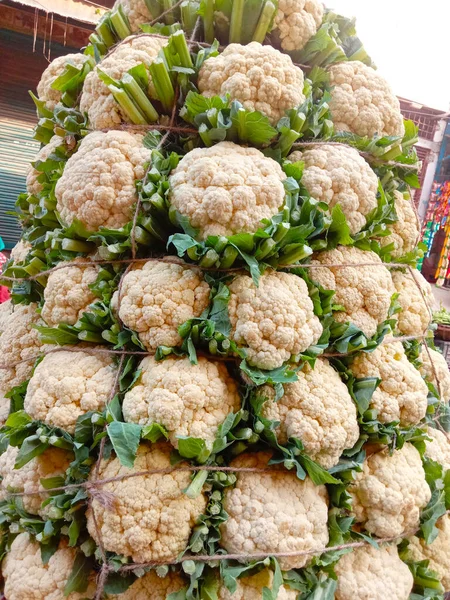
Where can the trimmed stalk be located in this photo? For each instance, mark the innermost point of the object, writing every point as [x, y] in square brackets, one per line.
[154, 7]
[142, 237]
[280, 232]
[193, 253]
[179, 41]
[120, 25]
[203, 132]
[104, 32]
[189, 16]
[228, 257]
[221, 244]
[76, 246]
[296, 253]
[237, 16]
[90, 336]
[169, 17]
[138, 96]
[287, 140]
[163, 84]
[127, 105]
[196, 486]
[265, 19]
[152, 227]
[265, 249]
[208, 21]
[210, 259]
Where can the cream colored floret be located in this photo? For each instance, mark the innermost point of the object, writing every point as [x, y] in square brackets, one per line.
[52, 463]
[364, 291]
[362, 101]
[274, 512]
[97, 100]
[27, 578]
[157, 297]
[137, 12]
[404, 233]
[390, 492]
[65, 385]
[273, 321]
[297, 21]
[435, 366]
[33, 185]
[45, 91]
[439, 447]
[402, 393]
[151, 518]
[97, 186]
[318, 410]
[6, 309]
[340, 175]
[150, 586]
[189, 400]
[227, 189]
[259, 77]
[250, 588]
[369, 573]
[416, 301]
[20, 251]
[438, 552]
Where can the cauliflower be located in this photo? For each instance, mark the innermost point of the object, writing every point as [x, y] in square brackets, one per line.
[97, 186]
[439, 447]
[152, 586]
[365, 292]
[404, 233]
[58, 395]
[97, 100]
[390, 492]
[27, 578]
[6, 309]
[67, 294]
[340, 175]
[45, 91]
[20, 251]
[227, 189]
[438, 552]
[157, 297]
[318, 410]
[274, 512]
[250, 588]
[188, 400]
[138, 13]
[52, 463]
[362, 101]
[275, 320]
[151, 519]
[369, 573]
[416, 301]
[435, 366]
[259, 77]
[33, 185]
[5, 405]
[402, 393]
[296, 22]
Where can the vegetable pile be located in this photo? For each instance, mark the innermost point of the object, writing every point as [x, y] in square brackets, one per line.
[217, 372]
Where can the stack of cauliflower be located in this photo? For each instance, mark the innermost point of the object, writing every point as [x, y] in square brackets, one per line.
[228, 190]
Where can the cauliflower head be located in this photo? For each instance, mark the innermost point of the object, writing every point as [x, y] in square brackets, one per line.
[365, 292]
[97, 186]
[340, 175]
[296, 21]
[390, 492]
[404, 233]
[138, 13]
[97, 100]
[6, 309]
[416, 301]
[369, 573]
[274, 512]
[20, 251]
[438, 552]
[402, 393]
[362, 101]
[439, 447]
[251, 588]
[151, 518]
[273, 321]
[45, 91]
[227, 189]
[260, 77]
[157, 297]
[318, 410]
[188, 400]
[66, 385]
[152, 586]
[52, 463]
[435, 366]
[27, 578]
[33, 185]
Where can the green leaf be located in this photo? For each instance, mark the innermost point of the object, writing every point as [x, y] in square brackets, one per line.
[317, 473]
[118, 583]
[154, 432]
[18, 420]
[79, 577]
[193, 448]
[48, 549]
[30, 448]
[125, 440]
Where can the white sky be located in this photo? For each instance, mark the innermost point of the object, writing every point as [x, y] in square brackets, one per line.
[409, 41]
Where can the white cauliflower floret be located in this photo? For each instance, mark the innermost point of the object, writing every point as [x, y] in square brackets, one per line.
[260, 77]
[273, 321]
[318, 410]
[137, 12]
[33, 185]
[274, 512]
[66, 385]
[227, 189]
[45, 91]
[438, 552]
[27, 578]
[416, 302]
[251, 588]
[402, 393]
[188, 400]
[97, 100]
[297, 21]
[151, 518]
[404, 233]
[6, 309]
[67, 294]
[52, 463]
[370, 573]
[390, 492]
[439, 447]
[157, 297]
[365, 292]
[362, 101]
[20, 251]
[340, 175]
[97, 186]
[435, 366]
[151, 586]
